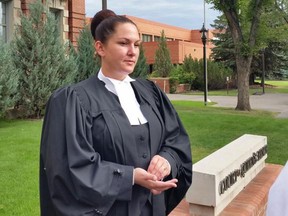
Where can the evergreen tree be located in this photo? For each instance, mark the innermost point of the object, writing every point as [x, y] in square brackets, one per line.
[224, 47]
[42, 59]
[188, 67]
[8, 79]
[141, 68]
[87, 61]
[163, 64]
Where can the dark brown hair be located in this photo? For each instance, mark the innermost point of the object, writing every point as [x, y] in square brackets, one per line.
[104, 23]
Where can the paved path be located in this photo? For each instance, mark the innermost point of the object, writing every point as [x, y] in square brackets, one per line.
[271, 102]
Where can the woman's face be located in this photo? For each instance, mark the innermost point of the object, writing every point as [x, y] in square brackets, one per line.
[120, 53]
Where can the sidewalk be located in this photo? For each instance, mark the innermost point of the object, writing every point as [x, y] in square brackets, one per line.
[271, 102]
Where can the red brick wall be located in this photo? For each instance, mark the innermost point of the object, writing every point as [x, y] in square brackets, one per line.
[25, 5]
[155, 28]
[163, 83]
[178, 51]
[76, 19]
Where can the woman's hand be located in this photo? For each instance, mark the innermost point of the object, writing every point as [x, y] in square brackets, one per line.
[159, 167]
[150, 181]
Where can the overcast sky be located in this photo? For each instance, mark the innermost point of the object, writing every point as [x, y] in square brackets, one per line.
[187, 14]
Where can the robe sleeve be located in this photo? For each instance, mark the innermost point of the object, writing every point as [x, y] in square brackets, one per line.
[73, 169]
[175, 148]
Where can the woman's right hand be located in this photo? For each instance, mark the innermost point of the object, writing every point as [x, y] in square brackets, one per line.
[149, 181]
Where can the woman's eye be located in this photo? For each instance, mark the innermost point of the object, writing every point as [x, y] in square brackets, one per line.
[122, 43]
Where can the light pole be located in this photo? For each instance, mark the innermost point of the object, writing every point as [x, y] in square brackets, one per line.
[104, 4]
[203, 32]
[263, 71]
[204, 40]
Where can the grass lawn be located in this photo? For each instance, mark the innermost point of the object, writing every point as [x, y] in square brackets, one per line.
[19, 150]
[209, 128]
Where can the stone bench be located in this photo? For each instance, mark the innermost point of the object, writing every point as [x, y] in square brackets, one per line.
[222, 175]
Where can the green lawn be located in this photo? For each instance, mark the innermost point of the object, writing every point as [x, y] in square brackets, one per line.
[209, 128]
[19, 150]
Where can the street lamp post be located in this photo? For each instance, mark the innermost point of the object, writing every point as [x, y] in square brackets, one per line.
[263, 71]
[104, 4]
[203, 32]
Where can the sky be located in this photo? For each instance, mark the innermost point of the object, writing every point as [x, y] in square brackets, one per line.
[187, 14]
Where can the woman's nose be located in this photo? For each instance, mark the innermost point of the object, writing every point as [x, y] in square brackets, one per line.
[132, 50]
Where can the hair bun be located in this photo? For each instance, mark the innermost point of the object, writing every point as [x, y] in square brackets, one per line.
[98, 18]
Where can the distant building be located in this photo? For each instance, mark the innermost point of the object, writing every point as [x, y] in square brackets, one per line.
[180, 41]
[69, 14]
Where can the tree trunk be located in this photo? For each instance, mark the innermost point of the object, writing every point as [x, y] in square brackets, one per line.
[243, 72]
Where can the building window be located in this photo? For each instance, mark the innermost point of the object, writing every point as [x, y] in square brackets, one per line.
[57, 14]
[146, 38]
[157, 38]
[3, 21]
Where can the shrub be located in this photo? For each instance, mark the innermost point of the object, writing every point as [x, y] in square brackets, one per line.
[9, 79]
[216, 75]
[41, 59]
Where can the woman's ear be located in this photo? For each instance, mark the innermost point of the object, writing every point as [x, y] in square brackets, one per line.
[99, 48]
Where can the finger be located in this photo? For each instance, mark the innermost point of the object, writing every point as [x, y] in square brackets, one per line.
[153, 164]
[159, 166]
[159, 190]
[161, 186]
[141, 176]
[162, 171]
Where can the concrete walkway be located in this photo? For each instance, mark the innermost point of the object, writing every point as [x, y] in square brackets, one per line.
[271, 102]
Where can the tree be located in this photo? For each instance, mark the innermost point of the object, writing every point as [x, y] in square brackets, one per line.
[87, 61]
[224, 47]
[243, 18]
[163, 64]
[188, 68]
[141, 68]
[275, 61]
[8, 79]
[43, 61]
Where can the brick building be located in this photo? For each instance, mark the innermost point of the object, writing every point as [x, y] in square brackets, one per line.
[69, 13]
[180, 41]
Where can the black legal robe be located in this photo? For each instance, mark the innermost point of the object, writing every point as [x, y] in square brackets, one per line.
[88, 153]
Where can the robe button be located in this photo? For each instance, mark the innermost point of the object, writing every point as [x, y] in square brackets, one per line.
[144, 155]
[98, 212]
[142, 138]
[117, 172]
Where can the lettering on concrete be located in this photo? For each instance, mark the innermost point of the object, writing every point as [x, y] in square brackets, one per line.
[231, 178]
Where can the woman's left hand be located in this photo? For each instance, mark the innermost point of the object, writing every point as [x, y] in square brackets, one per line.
[159, 167]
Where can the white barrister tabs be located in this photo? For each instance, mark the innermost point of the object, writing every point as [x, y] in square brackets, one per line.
[220, 176]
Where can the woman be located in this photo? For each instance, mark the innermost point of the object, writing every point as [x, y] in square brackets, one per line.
[112, 145]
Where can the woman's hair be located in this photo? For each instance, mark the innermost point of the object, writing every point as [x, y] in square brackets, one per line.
[104, 23]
